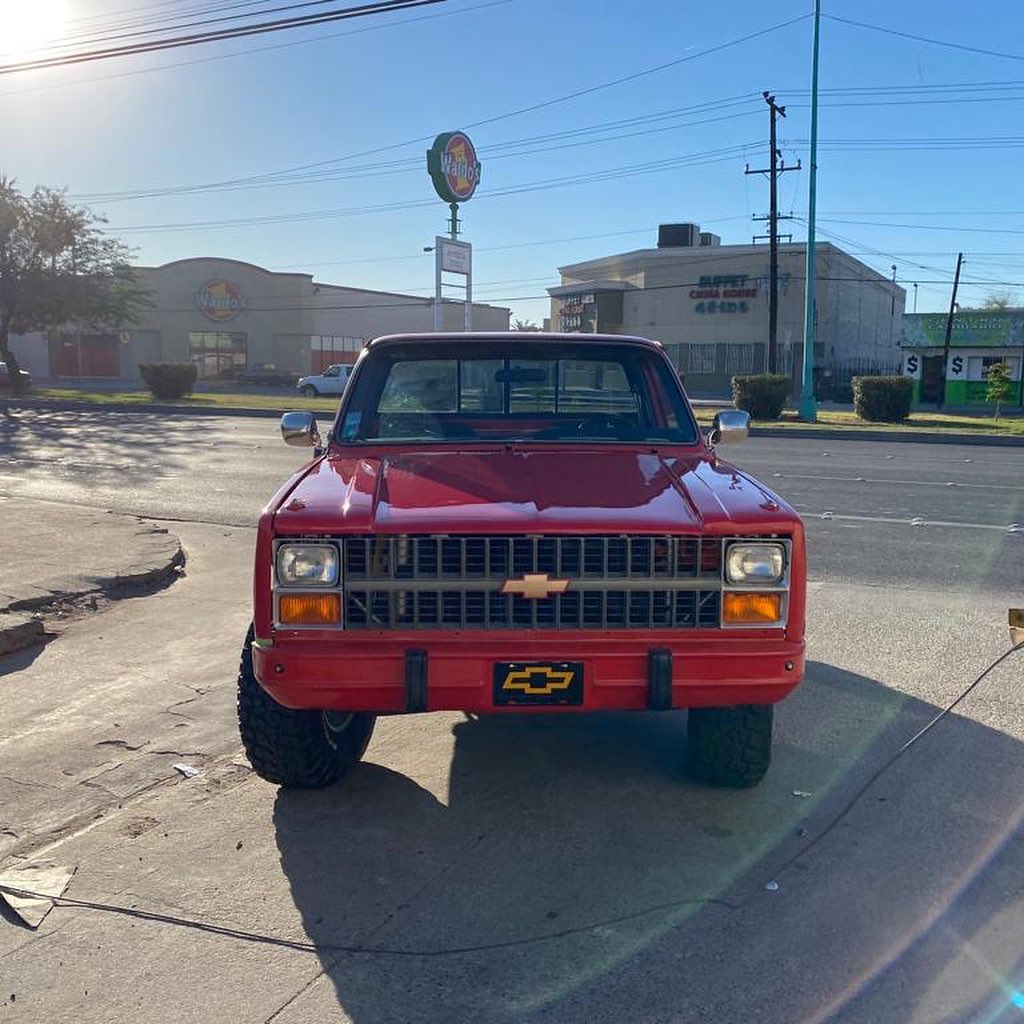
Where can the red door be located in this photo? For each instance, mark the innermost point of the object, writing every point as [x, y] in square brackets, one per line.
[99, 356]
[64, 356]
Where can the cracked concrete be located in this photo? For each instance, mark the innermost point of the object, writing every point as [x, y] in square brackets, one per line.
[101, 717]
[64, 554]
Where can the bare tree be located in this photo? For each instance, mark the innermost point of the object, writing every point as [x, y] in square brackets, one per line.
[997, 302]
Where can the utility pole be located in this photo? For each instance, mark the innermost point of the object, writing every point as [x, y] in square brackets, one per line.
[773, 171]
[808, 405]
[949, 326]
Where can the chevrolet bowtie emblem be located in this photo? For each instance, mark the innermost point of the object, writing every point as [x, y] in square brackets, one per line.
[535, 586]
[538, 680]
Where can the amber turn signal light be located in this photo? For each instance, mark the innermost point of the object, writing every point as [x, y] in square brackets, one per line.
[751, 609]
[310, 609]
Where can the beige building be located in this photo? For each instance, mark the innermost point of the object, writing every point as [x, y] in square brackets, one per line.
[708, 303]
[227, 316]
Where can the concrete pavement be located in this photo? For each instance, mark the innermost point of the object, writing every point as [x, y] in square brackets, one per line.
[53, 554]
[515, 870]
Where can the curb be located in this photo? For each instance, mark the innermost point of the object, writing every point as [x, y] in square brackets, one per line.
[57, 405]
[113, 586]
[19, 629]
[839, 434]
[825, 433]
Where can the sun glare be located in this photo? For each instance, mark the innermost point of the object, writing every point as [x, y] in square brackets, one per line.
[29, 25]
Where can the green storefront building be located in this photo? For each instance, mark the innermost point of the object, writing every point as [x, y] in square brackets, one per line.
[955, 375]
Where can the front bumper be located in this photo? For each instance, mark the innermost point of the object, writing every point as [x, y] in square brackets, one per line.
[401, 672]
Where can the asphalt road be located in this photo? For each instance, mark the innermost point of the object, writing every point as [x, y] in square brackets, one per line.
[525, 869]
[859, 498]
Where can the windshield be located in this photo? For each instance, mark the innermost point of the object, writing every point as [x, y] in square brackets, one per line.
[538, 392]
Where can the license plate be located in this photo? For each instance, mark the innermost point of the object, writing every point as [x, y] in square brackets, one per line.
[538, 682]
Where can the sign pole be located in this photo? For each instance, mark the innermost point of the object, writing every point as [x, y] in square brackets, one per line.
[438, 308]
[455, 171]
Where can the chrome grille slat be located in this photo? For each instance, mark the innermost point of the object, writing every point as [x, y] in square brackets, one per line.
[430, 582]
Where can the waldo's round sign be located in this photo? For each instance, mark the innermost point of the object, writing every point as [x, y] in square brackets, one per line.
[219, 300]
[453, 167]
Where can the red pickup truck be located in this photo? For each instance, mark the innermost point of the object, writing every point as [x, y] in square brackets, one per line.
[527, 523]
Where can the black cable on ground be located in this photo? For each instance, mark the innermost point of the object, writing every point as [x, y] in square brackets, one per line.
[357, 950]
[887, 764]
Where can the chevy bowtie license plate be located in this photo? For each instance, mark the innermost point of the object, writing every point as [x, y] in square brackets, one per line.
[538, 682]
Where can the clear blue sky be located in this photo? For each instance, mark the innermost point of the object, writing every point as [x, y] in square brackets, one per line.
[910, 172]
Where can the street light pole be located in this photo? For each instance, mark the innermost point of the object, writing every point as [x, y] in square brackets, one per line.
[808, 406]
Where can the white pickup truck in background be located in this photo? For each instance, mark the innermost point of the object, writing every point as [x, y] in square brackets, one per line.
[331, 382]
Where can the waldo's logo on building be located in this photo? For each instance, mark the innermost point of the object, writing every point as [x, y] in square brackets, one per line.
[453, 166]
[219, 300]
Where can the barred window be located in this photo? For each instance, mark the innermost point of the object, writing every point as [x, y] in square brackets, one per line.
[741, 358]
[697, 357]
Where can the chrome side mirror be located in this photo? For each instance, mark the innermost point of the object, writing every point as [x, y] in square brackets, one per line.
[299, 429]
[728, 426]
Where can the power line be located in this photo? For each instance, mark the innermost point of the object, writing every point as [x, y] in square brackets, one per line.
[929, 227]
[321, 37]
[614, 173]
[516, 148]
[218, 35]
[397, 167]
[925, 39]
[516, 112]
[112, 35]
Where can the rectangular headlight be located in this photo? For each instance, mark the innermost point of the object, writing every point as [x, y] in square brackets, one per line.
[755, 563]
[307, 565]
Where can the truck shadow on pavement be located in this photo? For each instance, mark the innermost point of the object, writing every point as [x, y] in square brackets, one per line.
[569, 872]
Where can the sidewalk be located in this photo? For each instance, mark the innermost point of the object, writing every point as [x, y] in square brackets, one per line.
[53, 553]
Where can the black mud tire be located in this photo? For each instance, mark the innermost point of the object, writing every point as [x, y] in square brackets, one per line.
[729, 747]
[310, 392]
[296, 749]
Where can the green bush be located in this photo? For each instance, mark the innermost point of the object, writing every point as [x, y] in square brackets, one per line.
[882, 399]
[168, 380]
[763, 396]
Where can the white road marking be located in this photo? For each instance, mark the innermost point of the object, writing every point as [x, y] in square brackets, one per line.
[906, 483]
[915, 521]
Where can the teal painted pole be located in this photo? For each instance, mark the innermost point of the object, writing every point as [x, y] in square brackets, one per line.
[808, 406]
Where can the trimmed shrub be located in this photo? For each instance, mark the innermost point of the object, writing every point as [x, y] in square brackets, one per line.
[882, 399]
[168, 380]
[764, 396]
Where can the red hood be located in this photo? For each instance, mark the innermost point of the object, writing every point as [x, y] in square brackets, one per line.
[528, 491]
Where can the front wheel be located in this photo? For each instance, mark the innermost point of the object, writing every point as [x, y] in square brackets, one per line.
[296, 749]
[731, 746]
[309, 391]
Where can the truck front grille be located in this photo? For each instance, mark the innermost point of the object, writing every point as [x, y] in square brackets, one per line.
[455, 582]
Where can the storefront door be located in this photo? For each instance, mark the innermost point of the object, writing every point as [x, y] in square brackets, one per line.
[933, 378]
